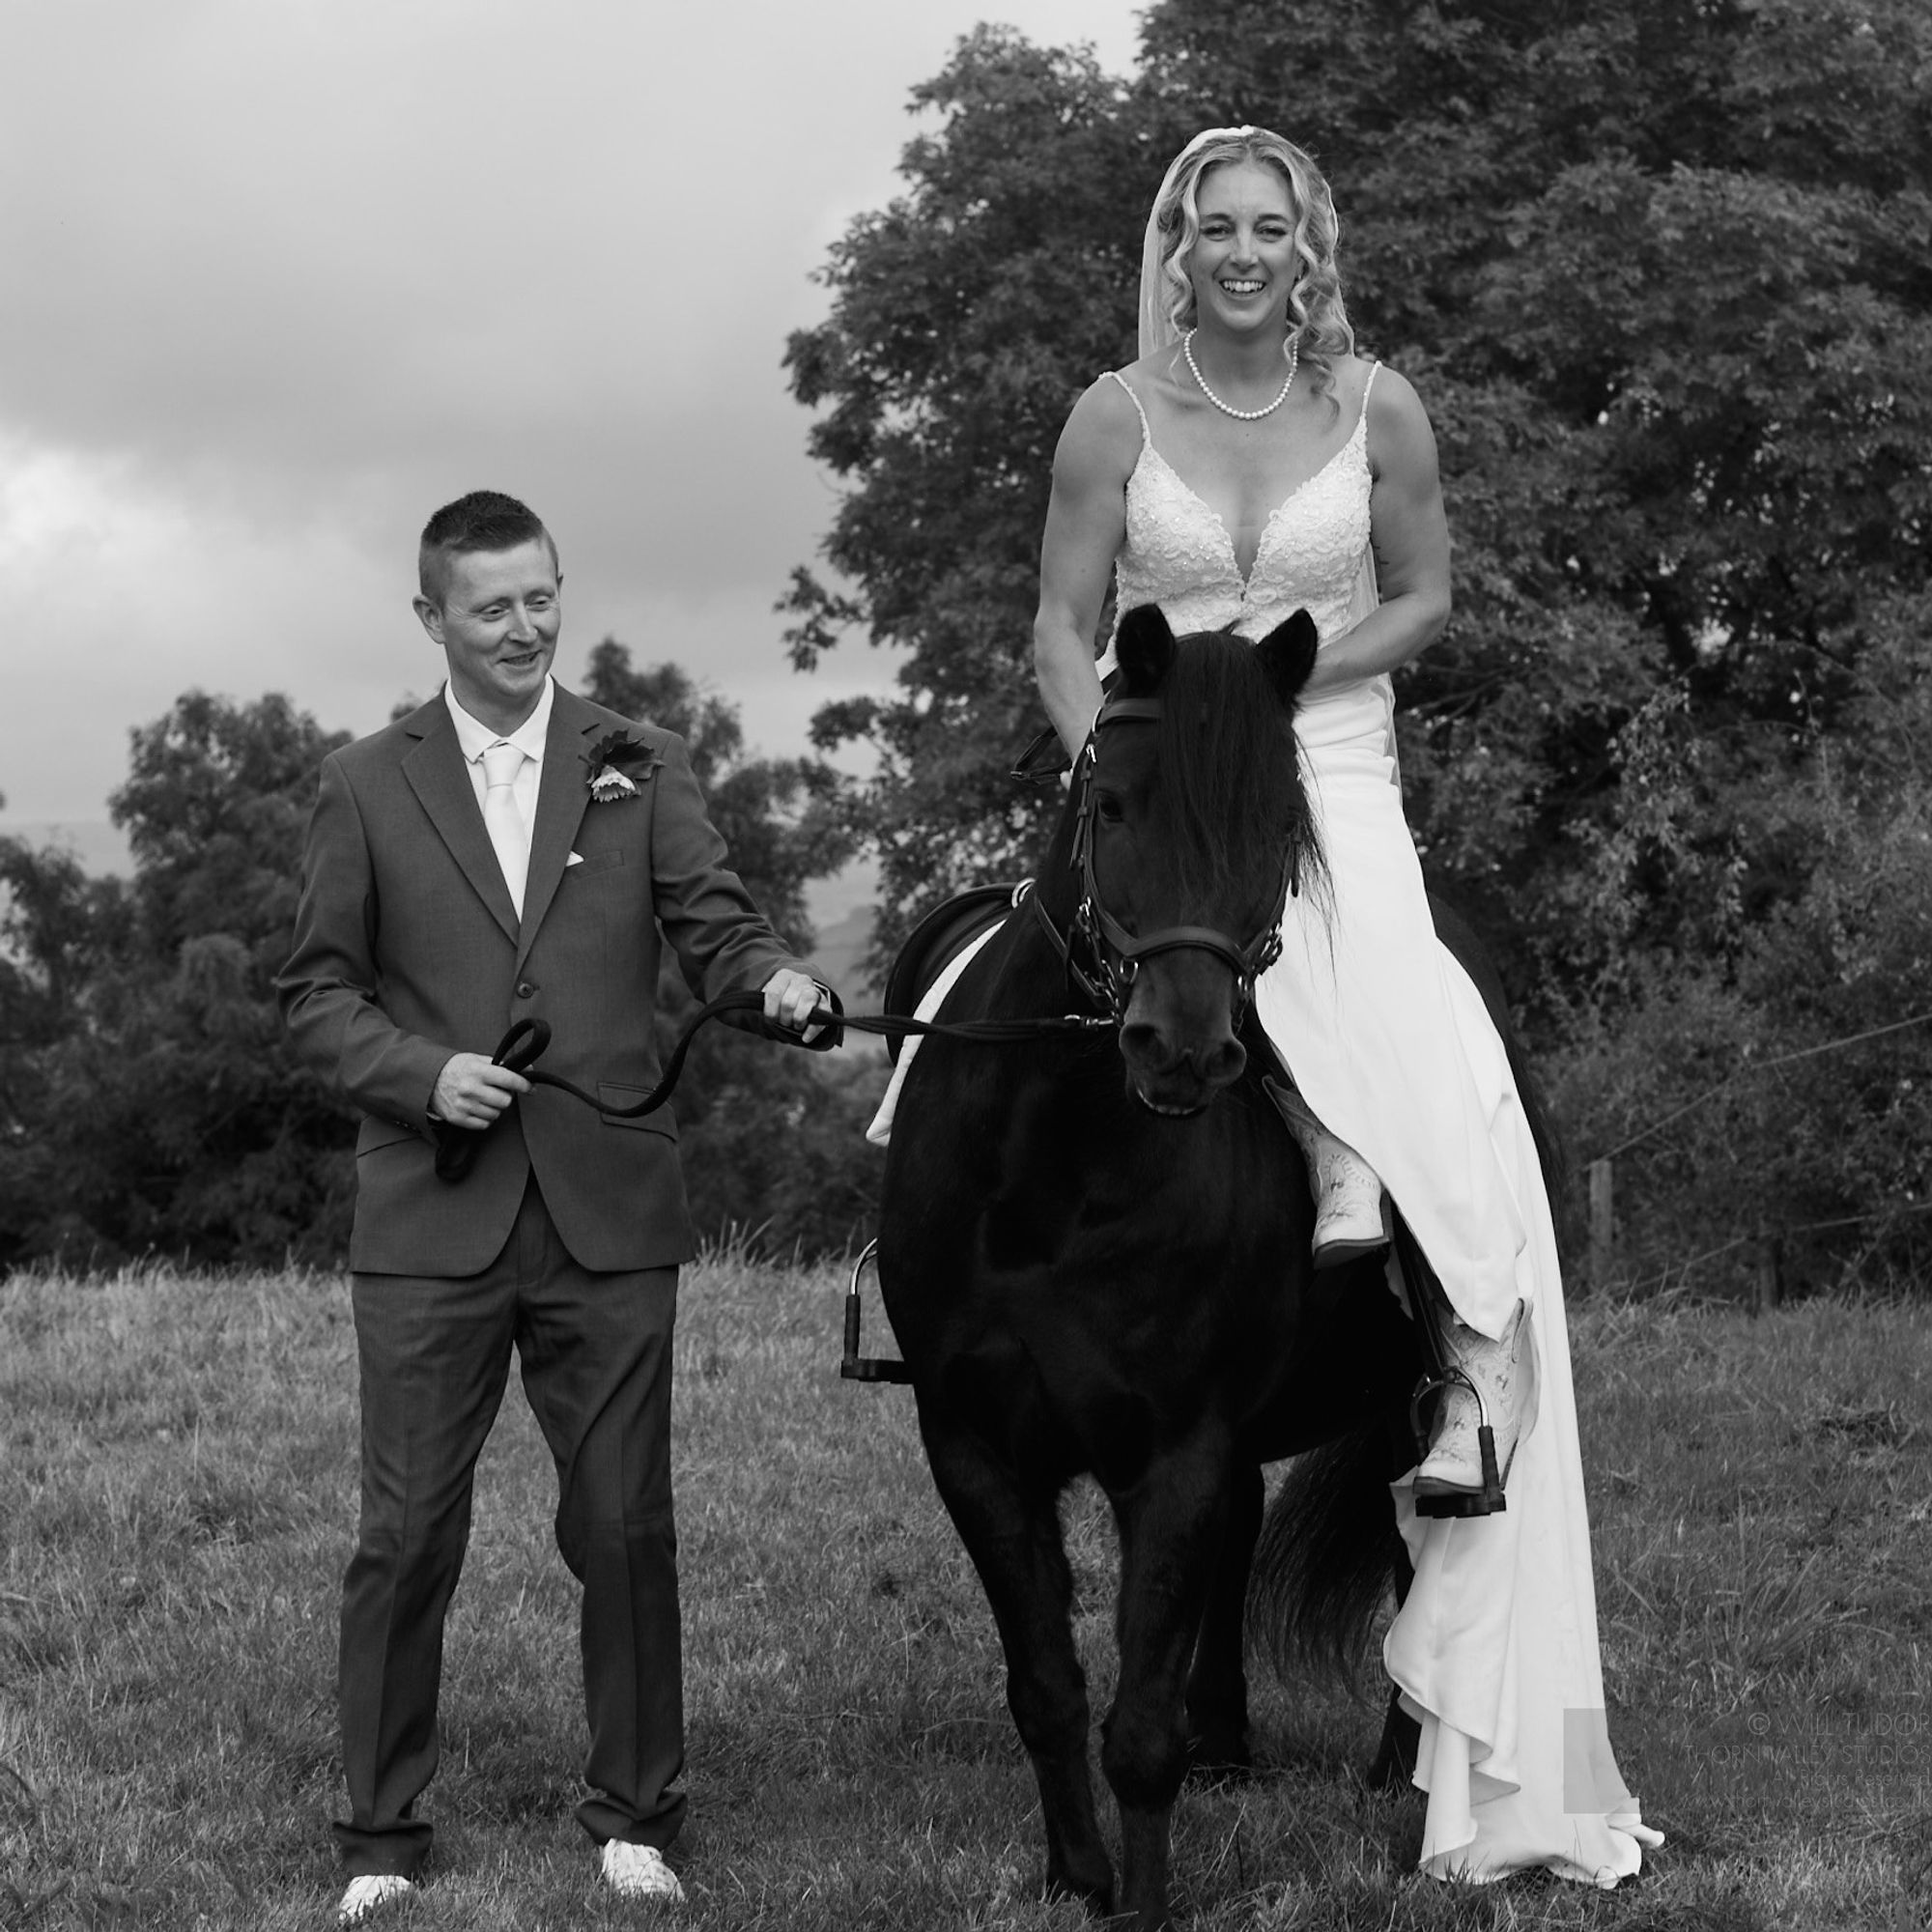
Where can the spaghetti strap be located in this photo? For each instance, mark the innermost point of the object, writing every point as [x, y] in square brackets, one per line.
[1147, 428]
[1362, 420]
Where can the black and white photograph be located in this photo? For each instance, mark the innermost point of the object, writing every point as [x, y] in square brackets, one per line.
[966, 969]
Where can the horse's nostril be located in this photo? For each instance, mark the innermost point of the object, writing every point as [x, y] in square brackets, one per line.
[1146, 1048]
[1222, 1063]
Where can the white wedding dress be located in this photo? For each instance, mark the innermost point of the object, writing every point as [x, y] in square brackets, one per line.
[1494, 1649]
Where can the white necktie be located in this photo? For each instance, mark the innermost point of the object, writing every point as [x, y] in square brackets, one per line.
[504, 817]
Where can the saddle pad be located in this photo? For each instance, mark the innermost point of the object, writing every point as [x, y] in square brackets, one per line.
[941, 936]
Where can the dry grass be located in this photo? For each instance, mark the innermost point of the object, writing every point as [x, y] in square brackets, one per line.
[179, 1461]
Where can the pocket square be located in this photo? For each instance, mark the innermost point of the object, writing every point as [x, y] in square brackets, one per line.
[575, 859]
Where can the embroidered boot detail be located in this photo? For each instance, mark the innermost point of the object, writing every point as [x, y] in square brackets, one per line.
[1349, 1217]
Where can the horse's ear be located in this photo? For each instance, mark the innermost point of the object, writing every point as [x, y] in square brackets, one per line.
[1143, 647]
[1287, 655]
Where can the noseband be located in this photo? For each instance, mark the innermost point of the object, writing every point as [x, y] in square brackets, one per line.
[1112, 955]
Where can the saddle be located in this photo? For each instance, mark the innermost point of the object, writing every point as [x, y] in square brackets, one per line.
[941, 936]
[953, 925]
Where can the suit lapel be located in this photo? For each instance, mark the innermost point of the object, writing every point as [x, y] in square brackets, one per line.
[437, 775]
[561, 796]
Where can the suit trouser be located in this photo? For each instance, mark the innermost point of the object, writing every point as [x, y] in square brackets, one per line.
[596, 1354]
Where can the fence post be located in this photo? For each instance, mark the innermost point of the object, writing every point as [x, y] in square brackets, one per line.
[1770, 1273]
[1602, 1222]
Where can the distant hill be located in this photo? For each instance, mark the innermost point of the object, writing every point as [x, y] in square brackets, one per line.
[840, 954]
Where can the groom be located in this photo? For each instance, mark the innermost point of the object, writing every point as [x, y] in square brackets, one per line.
[492, 857]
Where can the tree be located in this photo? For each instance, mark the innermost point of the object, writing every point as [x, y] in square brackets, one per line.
[59, 932]
[966, 318]
[784, 820]
[158, 1106]
[1661, 268]
[1787, 1088]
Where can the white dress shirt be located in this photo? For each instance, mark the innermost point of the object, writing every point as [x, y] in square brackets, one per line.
[475, 739]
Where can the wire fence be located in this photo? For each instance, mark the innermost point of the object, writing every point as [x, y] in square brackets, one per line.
[1731, 1079]
[1769, 1241]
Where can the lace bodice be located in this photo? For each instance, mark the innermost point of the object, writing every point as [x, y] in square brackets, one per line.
[1314, 552]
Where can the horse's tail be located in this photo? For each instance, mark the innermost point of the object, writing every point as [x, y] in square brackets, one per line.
[1326, 1556]
[1550, 1154]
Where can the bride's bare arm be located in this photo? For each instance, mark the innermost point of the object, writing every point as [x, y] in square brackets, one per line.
[1086, 522]
[1410, 535]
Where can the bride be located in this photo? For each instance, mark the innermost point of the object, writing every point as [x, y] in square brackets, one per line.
[1247, 465]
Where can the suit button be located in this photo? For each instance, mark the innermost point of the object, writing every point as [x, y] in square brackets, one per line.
[526, 989]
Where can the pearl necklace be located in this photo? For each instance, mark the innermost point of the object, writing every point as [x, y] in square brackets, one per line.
[1228, 409]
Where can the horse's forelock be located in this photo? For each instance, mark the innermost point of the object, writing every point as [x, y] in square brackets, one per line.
[1229, 769]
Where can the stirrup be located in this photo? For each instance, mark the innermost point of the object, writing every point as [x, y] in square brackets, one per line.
[1434, 1497]
[1429, 1308]
[853, 1367]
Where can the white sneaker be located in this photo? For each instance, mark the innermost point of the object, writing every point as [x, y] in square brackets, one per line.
[1348, 1220]
[1454, 1463]
[369, 1894]
[638, 1871]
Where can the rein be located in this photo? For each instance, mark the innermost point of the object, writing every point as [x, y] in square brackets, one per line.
[519, 1050]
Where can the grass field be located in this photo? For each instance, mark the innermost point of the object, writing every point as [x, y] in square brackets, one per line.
[179, 1475]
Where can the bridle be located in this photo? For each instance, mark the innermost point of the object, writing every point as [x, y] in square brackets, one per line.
[1102, 957]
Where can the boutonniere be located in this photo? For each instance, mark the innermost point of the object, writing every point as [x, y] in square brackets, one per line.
[612, 759]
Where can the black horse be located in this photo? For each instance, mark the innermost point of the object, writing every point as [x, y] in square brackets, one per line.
[1095, 1252]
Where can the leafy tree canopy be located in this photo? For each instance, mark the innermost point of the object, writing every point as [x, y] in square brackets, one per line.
[782, 820]
[1660, 269]
[158, 1106]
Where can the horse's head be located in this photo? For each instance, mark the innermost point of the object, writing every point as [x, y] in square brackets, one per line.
[1195, 830]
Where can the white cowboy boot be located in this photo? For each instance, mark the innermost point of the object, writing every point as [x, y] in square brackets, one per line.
[1349, 1217]
[1454, 1465]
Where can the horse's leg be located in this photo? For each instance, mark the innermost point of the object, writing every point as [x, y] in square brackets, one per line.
[1394, 1767]
[1171, 1525]
[1217, 1686]
[1013, 1539]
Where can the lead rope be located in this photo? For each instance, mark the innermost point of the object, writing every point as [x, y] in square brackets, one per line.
[519, 1050]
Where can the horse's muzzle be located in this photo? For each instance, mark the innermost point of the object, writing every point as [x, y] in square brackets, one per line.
[1176, 1071]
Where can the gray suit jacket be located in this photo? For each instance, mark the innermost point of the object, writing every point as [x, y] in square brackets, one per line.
[406, 950]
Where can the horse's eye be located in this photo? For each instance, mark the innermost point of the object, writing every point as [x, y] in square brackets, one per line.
[1109, 808]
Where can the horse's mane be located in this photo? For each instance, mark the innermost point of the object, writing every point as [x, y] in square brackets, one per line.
[1230, 770]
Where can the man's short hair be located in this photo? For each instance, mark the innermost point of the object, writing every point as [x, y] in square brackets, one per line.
[485, 520]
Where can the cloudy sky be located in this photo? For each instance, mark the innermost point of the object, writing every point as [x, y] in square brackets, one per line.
[282, 275]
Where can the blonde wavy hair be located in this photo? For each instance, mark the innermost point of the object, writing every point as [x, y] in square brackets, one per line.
[1318, 320]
